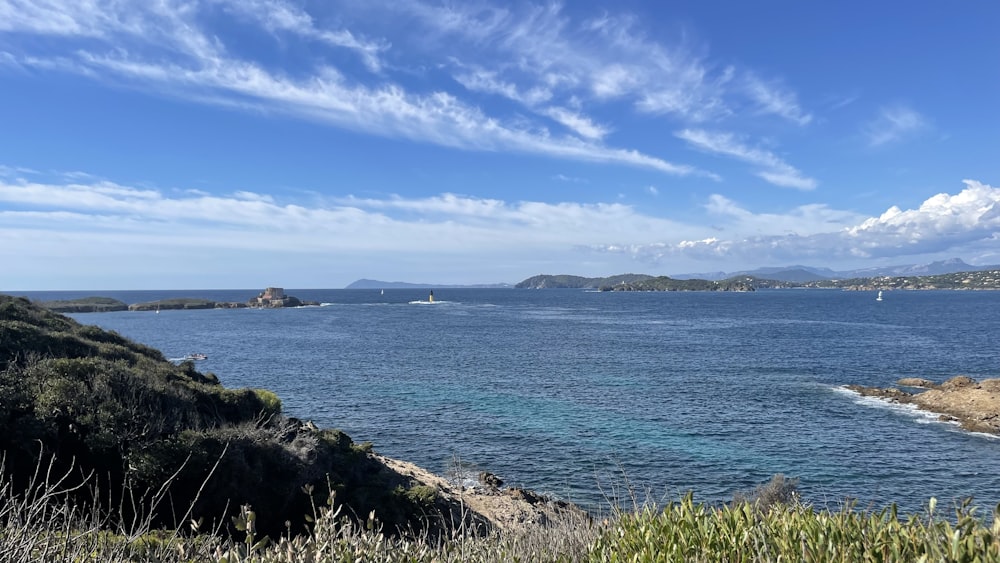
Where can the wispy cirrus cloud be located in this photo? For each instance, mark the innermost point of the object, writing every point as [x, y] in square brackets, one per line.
[773, 98]
[775, 170]
[165, 47]
[277, 16]
[894, 124]
[606, 59]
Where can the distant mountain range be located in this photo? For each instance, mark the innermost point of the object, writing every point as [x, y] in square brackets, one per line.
[376, 284]
[803, 274]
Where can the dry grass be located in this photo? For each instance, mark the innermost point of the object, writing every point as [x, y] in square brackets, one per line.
[42, 524]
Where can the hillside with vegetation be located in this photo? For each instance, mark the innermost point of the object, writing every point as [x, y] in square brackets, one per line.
[563, 281]
[977, 280]
[114, 416]
[112, 453]
[85, 305]
[974, 280]
[664, 283]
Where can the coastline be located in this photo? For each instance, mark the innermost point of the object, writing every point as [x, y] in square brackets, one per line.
[488, 506]
[973, 405]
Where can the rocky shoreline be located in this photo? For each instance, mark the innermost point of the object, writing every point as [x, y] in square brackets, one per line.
[271, 298]
[488, 506]
[974, 405]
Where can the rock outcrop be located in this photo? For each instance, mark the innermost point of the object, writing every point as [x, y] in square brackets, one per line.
[489, 507]
[274, 297]
[975, 405]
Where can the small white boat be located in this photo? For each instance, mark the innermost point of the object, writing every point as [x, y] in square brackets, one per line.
[879, 298]
[195, 356]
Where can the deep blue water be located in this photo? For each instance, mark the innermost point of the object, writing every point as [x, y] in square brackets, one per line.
[571, 392]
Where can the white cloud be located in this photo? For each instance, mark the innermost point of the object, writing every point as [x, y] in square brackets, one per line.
[579, 124]
[605, 60]
[202, 69]
[76, 221]
[571, 179]
[481, 80]
[447, 223]
[776, 171]
[772, 98]
[894, 124]
[940, 222]
[278, 16]
[557, 67]
[966, 221]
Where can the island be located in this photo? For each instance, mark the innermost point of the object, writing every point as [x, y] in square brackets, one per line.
[179, 303]
[274, 297]
[270, 298]
[85, 305]
[974, 405]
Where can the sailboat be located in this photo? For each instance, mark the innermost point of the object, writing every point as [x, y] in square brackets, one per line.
[879, 298]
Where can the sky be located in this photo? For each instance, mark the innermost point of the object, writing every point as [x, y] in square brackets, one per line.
[181, 144]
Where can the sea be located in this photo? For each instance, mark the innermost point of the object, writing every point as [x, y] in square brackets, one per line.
[602, 398]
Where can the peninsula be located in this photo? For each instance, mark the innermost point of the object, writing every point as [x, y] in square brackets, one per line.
[82, 401]
[633, 282]
[975, 405]
[972, 280]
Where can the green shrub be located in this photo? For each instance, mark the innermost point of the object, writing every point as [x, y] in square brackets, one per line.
[269, 401]
[685, 531]
[422, 496]
[780, 490]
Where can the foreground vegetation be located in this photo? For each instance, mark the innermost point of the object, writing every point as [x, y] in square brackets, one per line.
[112, 453]
[116, 419]
[40, 524]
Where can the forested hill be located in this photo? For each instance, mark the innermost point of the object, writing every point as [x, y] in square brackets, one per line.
[632, 282]
[664, 283]
[545, 281]
[979, 279]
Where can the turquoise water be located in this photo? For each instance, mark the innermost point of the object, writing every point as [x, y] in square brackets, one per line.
[571, 392]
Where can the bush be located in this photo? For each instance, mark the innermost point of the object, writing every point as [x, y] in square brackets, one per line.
[269, 401]
[685, 531]
[778, 491]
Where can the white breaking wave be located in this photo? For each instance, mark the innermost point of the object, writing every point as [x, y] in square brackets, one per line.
[919, 415]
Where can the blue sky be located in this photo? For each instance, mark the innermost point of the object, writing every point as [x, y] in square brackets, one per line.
[246, 143]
